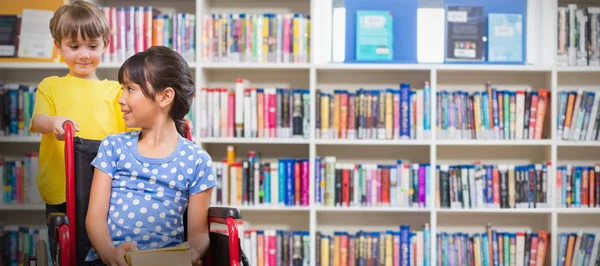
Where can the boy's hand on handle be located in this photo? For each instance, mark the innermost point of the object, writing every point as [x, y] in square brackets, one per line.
[58, 127]
[116, 256]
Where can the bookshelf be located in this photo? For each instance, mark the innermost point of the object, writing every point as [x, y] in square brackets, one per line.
[319, 74]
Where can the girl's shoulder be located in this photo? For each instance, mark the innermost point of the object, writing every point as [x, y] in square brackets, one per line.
[193, 152]
[119, 139]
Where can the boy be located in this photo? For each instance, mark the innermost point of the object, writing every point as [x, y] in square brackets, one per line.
[80, 32]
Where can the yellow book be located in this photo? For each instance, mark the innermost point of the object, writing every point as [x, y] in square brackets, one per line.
[325, 246]
[325, 116]
[173, 256]
[265, 43]
[296, 39]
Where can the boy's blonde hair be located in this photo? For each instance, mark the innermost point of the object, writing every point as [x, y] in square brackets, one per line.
[79, 18]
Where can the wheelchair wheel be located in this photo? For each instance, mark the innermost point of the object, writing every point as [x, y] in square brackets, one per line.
[41, 253]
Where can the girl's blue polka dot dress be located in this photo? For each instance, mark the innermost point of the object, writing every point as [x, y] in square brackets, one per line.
[149, 195]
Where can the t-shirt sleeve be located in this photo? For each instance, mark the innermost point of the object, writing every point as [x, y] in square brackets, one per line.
[204, 177]
[105, 160]
[44, 102]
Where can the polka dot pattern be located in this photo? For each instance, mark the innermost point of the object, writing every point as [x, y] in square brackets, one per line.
[149, 195]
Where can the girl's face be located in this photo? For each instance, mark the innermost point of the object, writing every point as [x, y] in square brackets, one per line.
[138, 110]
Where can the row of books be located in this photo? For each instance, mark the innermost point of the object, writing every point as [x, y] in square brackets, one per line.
[493, 248]
[16, 241]
[134, 29]
[276, 247]
[256, 38]
[254, 112]
[578, 248]
[402, 113]
[492, 186]
[254, 182]
[17, 181]
[491, 114]
[578, 43]
[345, 184]
[16, 108]
[578, 186]
[390, 247]
[578, 116]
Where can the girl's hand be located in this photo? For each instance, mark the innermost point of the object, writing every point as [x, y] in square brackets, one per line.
[194, 255]
[116, 256]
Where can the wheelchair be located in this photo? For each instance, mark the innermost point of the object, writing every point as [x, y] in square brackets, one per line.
[71, 243]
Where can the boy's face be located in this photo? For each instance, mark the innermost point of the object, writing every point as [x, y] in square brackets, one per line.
[82, 56]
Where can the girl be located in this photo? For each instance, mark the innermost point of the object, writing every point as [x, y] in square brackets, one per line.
[144, 180]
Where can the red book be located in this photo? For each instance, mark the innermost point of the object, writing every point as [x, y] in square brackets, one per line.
[496, 186]
[533, 115]
[345, 187]
[385, 185]
[533, 250]
[260, 107]
[344, 250]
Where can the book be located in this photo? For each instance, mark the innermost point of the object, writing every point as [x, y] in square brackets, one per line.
[374, 35]
[465, 33]
[505, 37]
[175, 256]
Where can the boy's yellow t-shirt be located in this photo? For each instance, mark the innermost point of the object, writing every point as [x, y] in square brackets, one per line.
[92, 104]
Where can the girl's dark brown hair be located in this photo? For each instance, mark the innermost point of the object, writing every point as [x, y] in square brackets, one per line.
[162, 67]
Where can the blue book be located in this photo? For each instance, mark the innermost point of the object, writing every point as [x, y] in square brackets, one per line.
[318, 180]
[427, 106]
[426, 244]
[374, 36]
[505, 37]
[490, 185]
[404, 245]
[267, 187]
[404, 111]
[281, 170]
[577, 186]
[495, 236]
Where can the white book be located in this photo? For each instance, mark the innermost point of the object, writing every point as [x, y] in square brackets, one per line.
[279, 44]
[216, 113]
[595, 250]
[258, 42]
[256, 185]
[203, 112]
[520, 113]
[209, 110]
[240, 85]
[520, 249]
[577, 247]
[480, 182]
[511, 186]
[582, 53]
[465, 187]
[576, 109]
[247, 116]
[405, 184]
[419, 243]
[572, 50]
[589, 136]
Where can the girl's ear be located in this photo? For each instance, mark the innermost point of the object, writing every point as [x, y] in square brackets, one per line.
[166, 97]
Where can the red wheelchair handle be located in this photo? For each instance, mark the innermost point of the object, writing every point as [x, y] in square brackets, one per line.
[69, 128]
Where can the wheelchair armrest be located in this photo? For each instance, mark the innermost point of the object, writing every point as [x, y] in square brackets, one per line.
[224, 212]
[57, 219]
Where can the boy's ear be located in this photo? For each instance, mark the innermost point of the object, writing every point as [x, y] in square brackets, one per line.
[57, 45]
[106, 44]
[166, 97]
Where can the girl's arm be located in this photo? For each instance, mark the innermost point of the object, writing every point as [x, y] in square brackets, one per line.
[198, 225]
[96, 226]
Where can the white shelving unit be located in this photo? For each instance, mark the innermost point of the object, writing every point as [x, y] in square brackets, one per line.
[326, 76]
